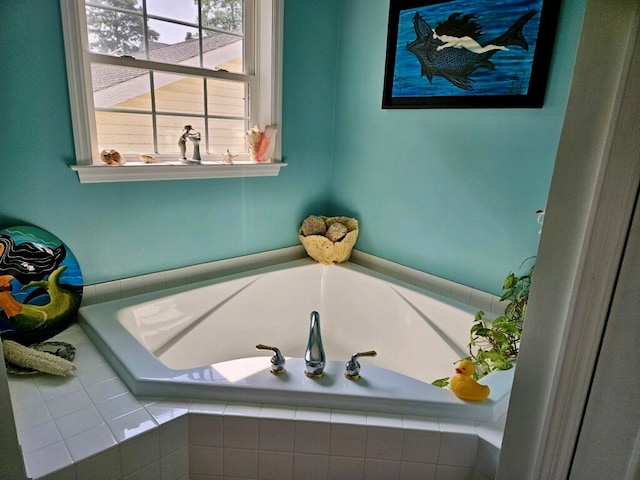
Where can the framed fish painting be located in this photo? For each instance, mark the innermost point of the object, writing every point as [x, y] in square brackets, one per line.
[468, 53]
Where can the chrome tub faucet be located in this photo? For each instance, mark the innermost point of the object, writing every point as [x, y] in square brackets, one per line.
[314, 357]
[352, 371]
[277, 361]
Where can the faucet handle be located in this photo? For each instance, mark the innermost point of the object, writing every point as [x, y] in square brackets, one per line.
[353, 367]
[277, 361]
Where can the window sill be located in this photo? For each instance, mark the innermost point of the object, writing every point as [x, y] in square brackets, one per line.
[140, 172]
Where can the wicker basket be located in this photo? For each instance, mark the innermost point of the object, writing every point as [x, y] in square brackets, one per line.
[323, 250]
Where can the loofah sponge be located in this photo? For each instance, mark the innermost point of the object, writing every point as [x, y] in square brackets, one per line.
[326, 251]
[41, 361]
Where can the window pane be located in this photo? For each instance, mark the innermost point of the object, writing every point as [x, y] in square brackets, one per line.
[173, 43]
[114, 32]
[128, 133]
[179, 93]
[183, 10]
[223, 14]
[222, 51]
[120, 87]
[226, 98]
[179, 44]
[227, 134]
[170, 129]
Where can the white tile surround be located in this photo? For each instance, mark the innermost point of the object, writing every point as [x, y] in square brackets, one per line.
[90, 426]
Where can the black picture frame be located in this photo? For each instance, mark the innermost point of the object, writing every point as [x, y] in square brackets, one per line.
[468, 53]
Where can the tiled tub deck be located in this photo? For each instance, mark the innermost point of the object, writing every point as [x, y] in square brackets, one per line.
[90, 426]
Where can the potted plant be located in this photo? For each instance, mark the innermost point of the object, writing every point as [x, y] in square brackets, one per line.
[494, 345]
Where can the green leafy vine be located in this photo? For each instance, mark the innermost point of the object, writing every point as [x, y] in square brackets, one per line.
[494, 345]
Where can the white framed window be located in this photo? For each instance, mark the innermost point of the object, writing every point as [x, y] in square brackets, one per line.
[141, 72]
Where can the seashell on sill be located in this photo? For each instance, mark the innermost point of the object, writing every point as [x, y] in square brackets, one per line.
[146, 158]
[112, 157]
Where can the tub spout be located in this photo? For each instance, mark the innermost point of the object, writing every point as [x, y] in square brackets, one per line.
[314, 357]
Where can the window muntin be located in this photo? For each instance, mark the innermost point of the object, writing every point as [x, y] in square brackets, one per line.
[129, 100]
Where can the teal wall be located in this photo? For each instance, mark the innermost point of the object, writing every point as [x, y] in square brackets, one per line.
[120, 230]
[449, 192]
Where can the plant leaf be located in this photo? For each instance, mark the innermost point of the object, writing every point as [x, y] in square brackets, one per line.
[441, 382]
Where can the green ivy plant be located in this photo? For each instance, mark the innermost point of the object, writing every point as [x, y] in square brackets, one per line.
[495, 345]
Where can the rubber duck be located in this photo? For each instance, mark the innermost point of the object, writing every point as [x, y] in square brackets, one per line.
[464, 386]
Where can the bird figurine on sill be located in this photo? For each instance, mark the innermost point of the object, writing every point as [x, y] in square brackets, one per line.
[464, 386]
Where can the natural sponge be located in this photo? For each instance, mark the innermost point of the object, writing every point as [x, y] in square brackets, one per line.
[325, 250]
[336, 232]
[314, 225]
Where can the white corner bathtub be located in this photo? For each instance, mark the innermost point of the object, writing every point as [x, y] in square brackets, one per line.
[198, 341]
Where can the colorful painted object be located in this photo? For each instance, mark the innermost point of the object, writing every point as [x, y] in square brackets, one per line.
[40, 285]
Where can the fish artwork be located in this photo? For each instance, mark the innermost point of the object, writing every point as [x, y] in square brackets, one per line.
[454, 49]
